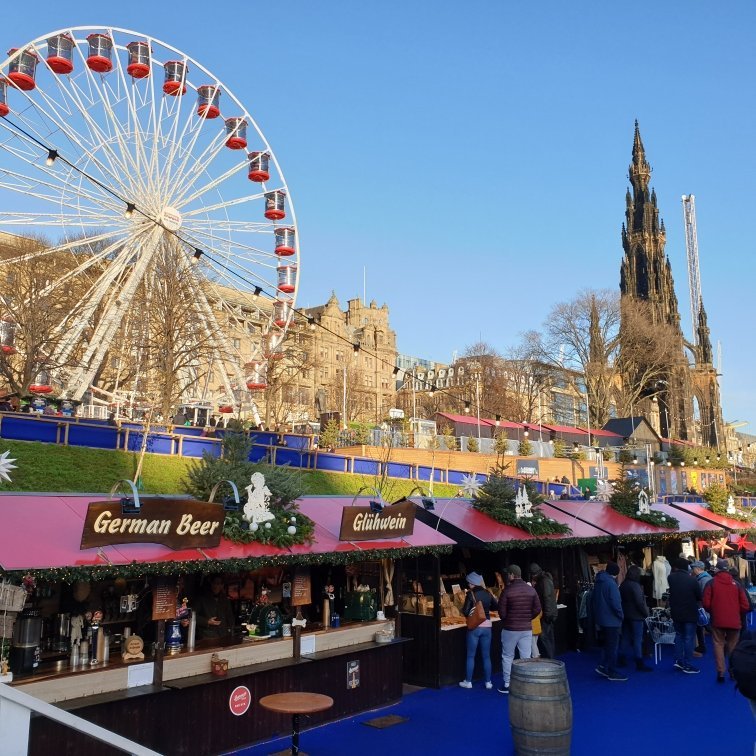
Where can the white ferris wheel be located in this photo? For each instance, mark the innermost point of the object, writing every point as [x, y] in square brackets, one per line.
[116, 137]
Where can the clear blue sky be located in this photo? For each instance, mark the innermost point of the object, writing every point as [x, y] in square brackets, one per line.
[473, 156]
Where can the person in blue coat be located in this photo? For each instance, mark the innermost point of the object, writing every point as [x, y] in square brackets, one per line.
[607, 612]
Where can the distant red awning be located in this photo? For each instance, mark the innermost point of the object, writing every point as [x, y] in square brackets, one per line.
[460, 514]
[602, 516]
[43, 531]
[704, 513]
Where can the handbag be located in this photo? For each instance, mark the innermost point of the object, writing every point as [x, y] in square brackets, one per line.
[476, 616]
[703, 617]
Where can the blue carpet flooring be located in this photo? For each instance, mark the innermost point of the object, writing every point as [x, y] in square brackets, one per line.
[661, 712]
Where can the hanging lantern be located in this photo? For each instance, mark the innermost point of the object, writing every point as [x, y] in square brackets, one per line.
[275, 205]
[175, 78]
[100, 58]
[287, 278]
[258, 166]
[41, 383]
[22, 70]
[236, 133]
[4, 109]
[281, 312]
[208, 96]
[138, 66]
[256, 376]
[60, 53]
[285, 244]
[7, 336]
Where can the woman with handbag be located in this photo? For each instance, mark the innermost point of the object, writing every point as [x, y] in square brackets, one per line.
[477, 612]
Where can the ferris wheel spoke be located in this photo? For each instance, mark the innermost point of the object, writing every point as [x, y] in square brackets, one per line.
[222, 205]
[28, 186]
[182, 201]
[72, 329]
[52, 219]
[107, 326]
[226, 249]
[199, 164]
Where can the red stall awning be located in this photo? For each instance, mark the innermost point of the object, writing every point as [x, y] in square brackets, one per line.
[602, 516]
[471, 527]
[704, 513]
[43, 531]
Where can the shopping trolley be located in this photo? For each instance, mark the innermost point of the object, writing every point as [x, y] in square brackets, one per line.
[661, 629]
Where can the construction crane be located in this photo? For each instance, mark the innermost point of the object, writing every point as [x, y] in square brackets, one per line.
[694, 274]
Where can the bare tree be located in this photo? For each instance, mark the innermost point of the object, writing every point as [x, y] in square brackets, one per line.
[528, 377]
[647, 351]
[174, 345]
[35, 310]
[583, 336]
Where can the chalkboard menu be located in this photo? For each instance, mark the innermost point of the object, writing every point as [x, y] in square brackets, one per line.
[301, 588]
[164, 598]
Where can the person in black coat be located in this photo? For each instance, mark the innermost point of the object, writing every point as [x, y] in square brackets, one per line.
[684, 600]
[479, 637]
[635, 609]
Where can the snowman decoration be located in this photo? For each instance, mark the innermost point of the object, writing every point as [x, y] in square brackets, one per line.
[731, 505]
[257, 509]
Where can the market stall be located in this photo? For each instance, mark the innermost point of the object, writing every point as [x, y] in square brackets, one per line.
[433, 588]
[88, 589]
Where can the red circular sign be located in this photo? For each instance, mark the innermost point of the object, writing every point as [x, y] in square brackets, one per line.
[240, 700]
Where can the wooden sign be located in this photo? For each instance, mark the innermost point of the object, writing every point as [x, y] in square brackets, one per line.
[301, 587]
[362, 524]
[164, 599]
[176, 523]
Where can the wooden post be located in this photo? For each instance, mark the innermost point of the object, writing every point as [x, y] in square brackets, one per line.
[157, 673]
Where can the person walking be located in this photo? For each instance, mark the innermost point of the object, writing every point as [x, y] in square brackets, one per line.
[698, 570]
[724, 599]
[607, 611]
[544, 586]
[684, 600]
[518, 606]
[479, 637]
[635, 611]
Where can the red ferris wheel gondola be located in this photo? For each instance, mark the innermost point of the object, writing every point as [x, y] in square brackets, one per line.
[100, 58]
[275, 205]
[287, 278]
[60, 53]
[4, 109]
[41, 384]
[256, 378]
[259, 170]
[285, 245]
[175, 78]
[138, 66]
[236, 133]
[208, 96]
[22, 70]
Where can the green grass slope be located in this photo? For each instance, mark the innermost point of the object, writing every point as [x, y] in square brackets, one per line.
[48, 467]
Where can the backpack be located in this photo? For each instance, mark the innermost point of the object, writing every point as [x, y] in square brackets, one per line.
[743, 666]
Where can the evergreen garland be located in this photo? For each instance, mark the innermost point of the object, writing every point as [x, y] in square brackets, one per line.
[496, 499]
[137, 570]
[624, 499]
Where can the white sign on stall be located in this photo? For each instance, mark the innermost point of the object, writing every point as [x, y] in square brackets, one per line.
[140, 674]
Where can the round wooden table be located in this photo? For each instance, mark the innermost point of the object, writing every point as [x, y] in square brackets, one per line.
[296, 703]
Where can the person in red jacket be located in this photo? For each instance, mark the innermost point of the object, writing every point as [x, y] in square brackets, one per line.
[724, 599]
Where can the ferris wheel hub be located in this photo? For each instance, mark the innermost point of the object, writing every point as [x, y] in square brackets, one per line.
[171, 218]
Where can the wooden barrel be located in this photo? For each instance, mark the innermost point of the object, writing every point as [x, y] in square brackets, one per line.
[540, 708]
